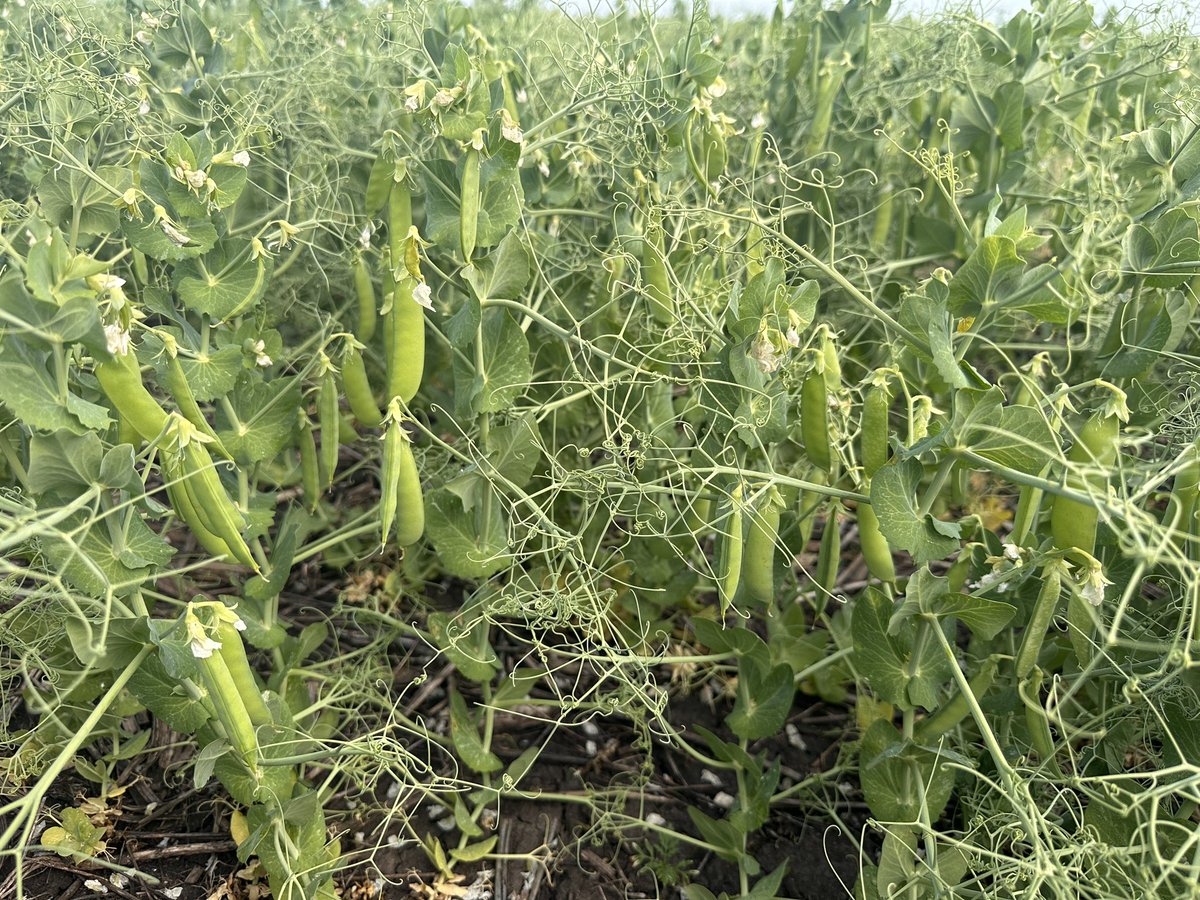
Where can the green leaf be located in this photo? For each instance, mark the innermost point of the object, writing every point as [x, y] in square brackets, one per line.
[1018, 437]
[1010, 115]
[465, 735]
[87, 553]
[514, 451]
[166, 697]
[930, 594]
[266, 419]
[1165, 253]
[893, 497]
[503, 273]
[897, 861]
[206, 760]
[501, 196]
[476, 851]
[196, 236]
[65, 193]
[31, 395]
[886, 654]
[984, 278]
[768, 886]
[506, 365]
[926, 314]
[763, 702]
[725, 838]
[468, 547]
[224, 283]
[899, 779]
[213, 375]
[465, 644]
[77, 838]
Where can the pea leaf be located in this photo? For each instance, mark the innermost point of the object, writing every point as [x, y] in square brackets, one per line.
[465, 735]
[885, 656]
[899, 778]
[224, 283]
[77, 837]
[32, 396]
[506, 365]
[931, 594]
[266, 419]
[182, 239]
[514, 451]
[926, 315]
[68, 192]
[467, 547]
[1018, 437]
[993, 266]
[1166, 253]
[763, 702]
[893, 497]
[464, 640]
[214, 374]
[164, 696]
[503, 273]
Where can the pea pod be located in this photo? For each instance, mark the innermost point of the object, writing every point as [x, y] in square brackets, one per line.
[1036, 722]
[1184, 511]
[310, 470]
[1040, 618]
[364, 289]
[181, 502]
[654, 272]
[758, 564]
[875, 549]
[730, 547]
[401, 501]
[211, 503]
[329, 417]
[953, 711]
[233, 652]
[469, 199]
[814, 421]
[716, 153]
[1072, 523]
[1029, 505]
[181, 390]
[404, 325]
[121, 380]
[1080, 625]
[358, 388]
[874, 428]
[829, 557]
[231, 711]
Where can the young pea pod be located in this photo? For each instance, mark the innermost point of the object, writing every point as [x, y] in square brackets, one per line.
[233, 652]
[654, 272]
[1184, 510]
[368, 311]
[231, 711]
[730, 547]
[469, 198]
[121, 380]
[358, 387]
[874, 428]
[401, 501]
[1029, 505]
[814, 421]
[1072, 523]
[1030, 691]
[208, 498]
[758, 564]
[953, 711]
[1040, 618]
[176, 382]
[181, 501]
[329, 417]
[310, 470]
[875, 549]
[829, 557]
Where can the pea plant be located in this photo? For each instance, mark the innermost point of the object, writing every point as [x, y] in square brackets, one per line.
[378, 382]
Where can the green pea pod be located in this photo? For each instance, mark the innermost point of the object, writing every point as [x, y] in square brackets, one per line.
[756, 250]
[883, 219]
[212, 504]
[329, 417]
[730, 547]
[401, 501]
[364, 288]
[829, 557]
[121, 380]
[126, 433]
[358, 388]
[875, 549]
[310, 469]
[1073, 524]
[950, 713]
[185, 509]
[716, 153]
[874, 429]
[231, 711]
[1040, 618]
[1029, 505]
[758, 564]
[1080, 625]
[181, 390]
[469, 198]
[814, 421]
[1038, 725]
[808, 504]
[831, 364]
[654, 272]
[1184, 510]
[406, 329]
[233, 652]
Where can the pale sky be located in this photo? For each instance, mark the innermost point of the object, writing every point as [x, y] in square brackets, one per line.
[994, 9]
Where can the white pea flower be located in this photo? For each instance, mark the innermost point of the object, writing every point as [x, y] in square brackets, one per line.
[227, 614]
[544, 169]
[758, 120]
[1012, 552]
[142, 37]
[202, 645]
[260, 354]
[105, 282]
[793, 336]
[132, 78]
[173, 233]
[117, 339]
[656, 819]
[443, 98]
[423, 295]
[717, 88]
[1092, 588]
[241, 158]
[512, 133]
[763, 352]
[411, 103]
[521, 95]
[196, 178]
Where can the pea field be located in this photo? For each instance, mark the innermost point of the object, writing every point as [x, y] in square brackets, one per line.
[512, 451]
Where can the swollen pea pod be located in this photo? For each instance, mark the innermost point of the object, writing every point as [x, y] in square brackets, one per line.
[401, 502]
[758, 564]
[233, 652]
[1184, 511]
[121, 380]
[358, 387]
[329, 418]
[874, 427]
[950, 713]
[126, 433]
[364, 288]
[181, 501]
[1072, 523]
[310, 470]
[730, 547]
[1040, 618]
[181, 390]
[654, 272]
[814, 421]
[1030, 691]
[208, 498]
[469, 199]
[404, 334]
[875, 549]
[1029, 505]
[231, 711]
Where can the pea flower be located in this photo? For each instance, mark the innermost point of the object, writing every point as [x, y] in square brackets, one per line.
[424, 296]
[202, 645]
[260, 355]
[1092, 586]
[241, 158]
[117, 339]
